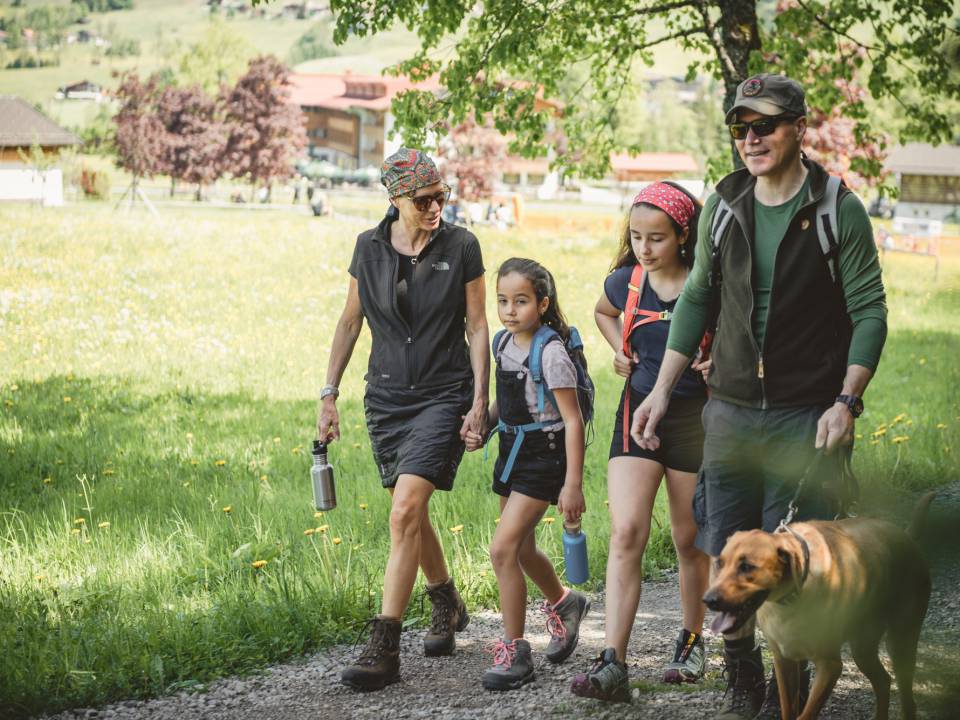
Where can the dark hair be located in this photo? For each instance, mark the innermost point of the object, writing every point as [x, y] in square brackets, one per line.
[544, 287]
[625, 254]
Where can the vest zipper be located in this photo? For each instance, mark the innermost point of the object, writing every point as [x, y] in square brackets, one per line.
[760, 367]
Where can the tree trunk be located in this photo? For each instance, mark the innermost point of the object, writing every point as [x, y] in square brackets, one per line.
[739, 36]
[199, 196]
[173, 187]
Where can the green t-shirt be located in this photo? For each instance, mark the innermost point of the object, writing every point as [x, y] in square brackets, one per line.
[859, 272]
[770, 223]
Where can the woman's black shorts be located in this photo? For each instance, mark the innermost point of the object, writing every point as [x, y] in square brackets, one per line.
[417, 432]
[680, 432]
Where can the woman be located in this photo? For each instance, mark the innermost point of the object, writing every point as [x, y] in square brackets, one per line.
[418, 281]
[653, 260]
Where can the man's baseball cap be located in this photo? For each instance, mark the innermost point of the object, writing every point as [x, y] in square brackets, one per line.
[768, 95]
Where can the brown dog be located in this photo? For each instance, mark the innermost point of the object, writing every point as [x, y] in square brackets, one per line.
[815, 586]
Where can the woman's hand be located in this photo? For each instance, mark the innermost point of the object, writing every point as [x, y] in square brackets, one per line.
[571, 503]
[328, 423]
[623, 365]
[476, 421]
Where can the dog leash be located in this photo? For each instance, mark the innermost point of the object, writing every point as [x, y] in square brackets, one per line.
[847, 480]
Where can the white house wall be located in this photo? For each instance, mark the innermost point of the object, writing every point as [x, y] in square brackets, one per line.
[18, 183]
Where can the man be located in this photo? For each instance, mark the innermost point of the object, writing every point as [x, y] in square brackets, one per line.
[799, 336]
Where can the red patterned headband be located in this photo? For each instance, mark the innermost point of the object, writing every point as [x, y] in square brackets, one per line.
[673, 202]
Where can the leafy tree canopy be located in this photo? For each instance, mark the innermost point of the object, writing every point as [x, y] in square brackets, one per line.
[218, 59]
[848, 53]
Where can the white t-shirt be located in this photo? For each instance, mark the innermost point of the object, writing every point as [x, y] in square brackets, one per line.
[558, 372]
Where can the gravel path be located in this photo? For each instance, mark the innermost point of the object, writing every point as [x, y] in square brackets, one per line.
[450, 687]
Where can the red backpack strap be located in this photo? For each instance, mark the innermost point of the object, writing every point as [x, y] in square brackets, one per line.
[634, 288]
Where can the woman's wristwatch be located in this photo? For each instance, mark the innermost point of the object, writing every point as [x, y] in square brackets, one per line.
[329, 390]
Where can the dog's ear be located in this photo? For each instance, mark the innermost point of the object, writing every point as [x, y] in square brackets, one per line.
[791, 562]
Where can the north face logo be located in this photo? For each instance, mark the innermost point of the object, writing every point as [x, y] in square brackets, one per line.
[441, 265]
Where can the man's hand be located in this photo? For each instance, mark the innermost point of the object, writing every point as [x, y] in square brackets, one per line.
[645, 420]
[328, 423]
[834, 428]
[623, 365]
[703, 367]
[475, 421]
[571, 503]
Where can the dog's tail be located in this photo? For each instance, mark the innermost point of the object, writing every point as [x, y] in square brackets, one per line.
[919, 517]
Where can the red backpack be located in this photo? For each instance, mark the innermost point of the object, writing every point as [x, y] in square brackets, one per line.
[634, 317]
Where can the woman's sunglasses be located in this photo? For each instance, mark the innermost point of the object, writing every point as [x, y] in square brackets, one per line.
[761, 128]
[423, 202]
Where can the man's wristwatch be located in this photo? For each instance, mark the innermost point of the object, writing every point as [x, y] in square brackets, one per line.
[853, 402]
[329, 390]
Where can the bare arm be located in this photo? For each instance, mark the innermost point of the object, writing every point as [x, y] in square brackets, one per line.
[835, 426]
[571, 502]
[607, 317]
[478, 337]
[344, 340]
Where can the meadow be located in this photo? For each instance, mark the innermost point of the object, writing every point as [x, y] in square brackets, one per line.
[157, 403]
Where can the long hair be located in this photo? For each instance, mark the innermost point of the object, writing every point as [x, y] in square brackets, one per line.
[544, 286]
[625, 254]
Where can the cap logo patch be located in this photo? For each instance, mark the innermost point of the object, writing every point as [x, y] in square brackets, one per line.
[752, 87]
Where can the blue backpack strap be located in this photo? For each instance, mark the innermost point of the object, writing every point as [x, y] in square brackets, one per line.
[497, 345]
[543, 335]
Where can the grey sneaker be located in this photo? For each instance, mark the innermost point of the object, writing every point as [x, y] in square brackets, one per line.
[512, 666]
[607, 679]
[689, 659]
[563, 624]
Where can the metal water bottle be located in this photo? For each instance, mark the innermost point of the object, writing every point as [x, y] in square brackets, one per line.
[324, 491]
[575, 553]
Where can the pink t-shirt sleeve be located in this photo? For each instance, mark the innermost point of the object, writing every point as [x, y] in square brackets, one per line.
[558, 368]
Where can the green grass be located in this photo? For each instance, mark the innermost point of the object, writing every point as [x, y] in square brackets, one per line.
[156, 372]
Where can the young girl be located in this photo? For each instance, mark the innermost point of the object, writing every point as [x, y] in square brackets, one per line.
[660, 236]
[547, 469]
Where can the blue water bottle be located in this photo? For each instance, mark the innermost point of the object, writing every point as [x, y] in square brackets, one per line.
[575, 553]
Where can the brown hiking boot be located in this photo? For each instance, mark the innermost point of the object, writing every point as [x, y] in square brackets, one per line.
[745, 686]
[449, 616]
[379, 663]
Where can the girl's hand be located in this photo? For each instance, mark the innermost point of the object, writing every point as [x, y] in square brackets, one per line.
[571, 503]
[623, 365]
[328, 424]
[473, 440]
[703, 367]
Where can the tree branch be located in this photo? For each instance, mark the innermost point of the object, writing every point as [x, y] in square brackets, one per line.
[652, 10]
[710, 28]
[675, 36]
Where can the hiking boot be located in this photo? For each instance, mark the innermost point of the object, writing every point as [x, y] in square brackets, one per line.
[379, 663]
[771, 701]
[689, 659]
[512, 665]
[449, 615]
[745, 686]
[563, 624]
[607, 679]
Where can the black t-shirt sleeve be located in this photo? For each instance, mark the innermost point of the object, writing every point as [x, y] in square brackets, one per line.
[472, 259]
[355, 260]
[615, 286]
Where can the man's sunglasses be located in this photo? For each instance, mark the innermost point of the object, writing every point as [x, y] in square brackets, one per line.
[761, 128]
[423, 202]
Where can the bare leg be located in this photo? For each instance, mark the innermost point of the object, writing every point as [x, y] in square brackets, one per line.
[537, 566]
[694, 564]
[632, 488]
[518, 518]
[432, 562]
[410, 499]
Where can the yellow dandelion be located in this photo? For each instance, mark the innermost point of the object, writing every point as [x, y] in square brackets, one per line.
[189, 436]
[263, 478]
[59, 461]
[104, 525]
[318, 514]
[309, 531]
[276, 441]
[607, 503]
[67, 399]
[940, 426]
[363, 506]
[900, 439]
[47, 481]
[258, 564]
[879, 433]
[296, 450]
[39, 578]
[357, 547]
[220, 463]
[14, 387]
[548, 521]
[874, 442]
[923, 361]
[228, 509]
[187, 484]
[8, 403]
[109, 472]
[497, 521]
[883, 426]
[336, 540]
[323, 528]
[75, 531]
[859, 436]
[194, 462]
[898, 418]
[456, 528]
[79, 521]
[356, 445]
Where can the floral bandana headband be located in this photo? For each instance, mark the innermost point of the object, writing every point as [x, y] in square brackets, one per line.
[406, 171]
[673, 202]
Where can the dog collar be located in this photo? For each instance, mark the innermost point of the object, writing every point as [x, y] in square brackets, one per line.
[805, 549]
